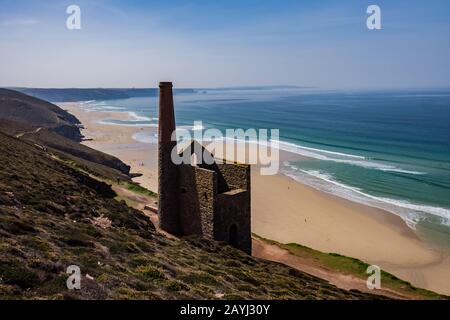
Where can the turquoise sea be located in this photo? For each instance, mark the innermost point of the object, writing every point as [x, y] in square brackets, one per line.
[388, 149]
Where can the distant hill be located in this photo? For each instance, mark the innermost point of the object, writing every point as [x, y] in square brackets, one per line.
[73, 94]
[30, 111]
[256, 88]
[53, 215]
[49, 126]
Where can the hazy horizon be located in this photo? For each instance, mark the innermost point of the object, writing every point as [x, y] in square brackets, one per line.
[243, 87]
[135, 44]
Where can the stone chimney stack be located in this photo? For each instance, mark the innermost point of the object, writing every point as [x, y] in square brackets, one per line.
[168, 187]
[166, 112]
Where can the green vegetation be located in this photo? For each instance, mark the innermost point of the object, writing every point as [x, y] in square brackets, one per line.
[106, 177]
[150, 273]
[355, 267]
[51, 129]
[54, 214]
[13, 273]
[136, 188]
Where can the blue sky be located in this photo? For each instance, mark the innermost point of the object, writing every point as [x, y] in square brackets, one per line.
[225, 43]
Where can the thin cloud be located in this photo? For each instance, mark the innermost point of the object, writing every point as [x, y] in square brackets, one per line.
[20, 22]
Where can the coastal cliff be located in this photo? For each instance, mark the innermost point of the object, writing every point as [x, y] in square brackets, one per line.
[49, 126]
[54, 215]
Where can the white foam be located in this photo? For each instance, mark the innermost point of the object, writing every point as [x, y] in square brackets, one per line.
[145, 137]
[295, 147]
[339, 157]
[87, 102]
[411, 213]
[101, 106]
[109, 122]
[326, 155]
[105, 109]
[135, 117]
[193, 128]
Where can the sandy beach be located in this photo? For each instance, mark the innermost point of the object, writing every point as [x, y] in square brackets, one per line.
[289, 212]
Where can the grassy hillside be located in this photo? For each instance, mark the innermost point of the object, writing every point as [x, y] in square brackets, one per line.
[52, 215]
[35, 113]
[49, 126]
[95, 160]
[343, 265]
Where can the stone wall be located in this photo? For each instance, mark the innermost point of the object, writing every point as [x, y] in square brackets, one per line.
[230, 176]
[233, 208]
[198, 188]
[213, 215]
[233, 176]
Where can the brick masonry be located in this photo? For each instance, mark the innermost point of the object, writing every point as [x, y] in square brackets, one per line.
[212, 201]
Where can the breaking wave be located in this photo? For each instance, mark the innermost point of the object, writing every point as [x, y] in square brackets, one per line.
[340, 157]
[411, 213]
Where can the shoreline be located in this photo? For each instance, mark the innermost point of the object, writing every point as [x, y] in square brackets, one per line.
[288, 211]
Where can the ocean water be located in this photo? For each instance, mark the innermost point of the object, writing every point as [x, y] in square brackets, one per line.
[388, 149]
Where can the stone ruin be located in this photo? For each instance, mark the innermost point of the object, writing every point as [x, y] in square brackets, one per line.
[209, 200]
